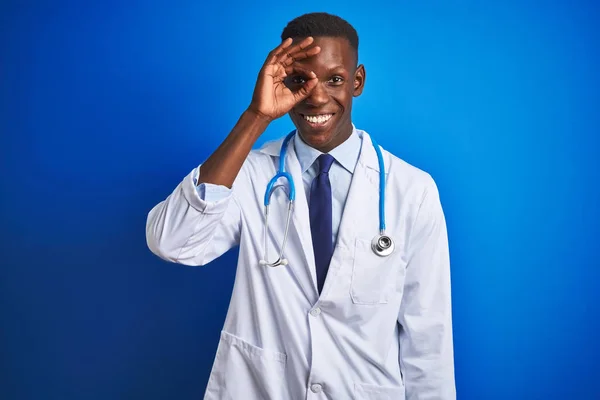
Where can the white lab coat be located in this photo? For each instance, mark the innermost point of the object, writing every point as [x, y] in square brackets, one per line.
[381, 329]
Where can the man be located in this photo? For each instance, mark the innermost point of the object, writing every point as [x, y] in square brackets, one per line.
[338, 321]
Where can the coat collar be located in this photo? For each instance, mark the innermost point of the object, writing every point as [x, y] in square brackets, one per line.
[346, 154]
[367, 158]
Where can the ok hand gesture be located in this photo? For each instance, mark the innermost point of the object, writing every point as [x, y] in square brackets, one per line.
[272, 98]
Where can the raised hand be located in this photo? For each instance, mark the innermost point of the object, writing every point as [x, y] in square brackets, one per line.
[272, 98]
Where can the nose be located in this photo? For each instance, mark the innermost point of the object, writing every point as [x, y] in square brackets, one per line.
[318, 96]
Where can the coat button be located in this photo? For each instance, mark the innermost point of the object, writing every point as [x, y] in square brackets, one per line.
[316, 388]
[315, 312]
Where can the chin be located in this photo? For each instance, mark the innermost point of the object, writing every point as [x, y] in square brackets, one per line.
[315, 135]
[317, 141]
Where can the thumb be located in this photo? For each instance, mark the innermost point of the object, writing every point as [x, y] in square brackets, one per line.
[307, 88]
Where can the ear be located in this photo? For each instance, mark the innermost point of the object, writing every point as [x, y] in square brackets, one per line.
[360, 75]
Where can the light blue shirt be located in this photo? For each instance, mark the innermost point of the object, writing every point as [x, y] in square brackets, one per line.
[340, 175]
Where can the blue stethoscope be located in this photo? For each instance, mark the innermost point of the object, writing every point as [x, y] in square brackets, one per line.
[382, 245]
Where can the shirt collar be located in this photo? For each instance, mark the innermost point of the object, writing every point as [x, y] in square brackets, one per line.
[346, 154]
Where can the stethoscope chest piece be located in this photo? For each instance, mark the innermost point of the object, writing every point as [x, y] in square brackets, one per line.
[382, 245]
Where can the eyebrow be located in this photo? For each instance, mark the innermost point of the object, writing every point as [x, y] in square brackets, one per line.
[335, 67]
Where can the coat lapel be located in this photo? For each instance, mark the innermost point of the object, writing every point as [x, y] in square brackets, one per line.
[360, 217]
[299, 249]
[301, 218]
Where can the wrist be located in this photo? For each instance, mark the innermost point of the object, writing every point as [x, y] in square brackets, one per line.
[252, 124]
[257, 115]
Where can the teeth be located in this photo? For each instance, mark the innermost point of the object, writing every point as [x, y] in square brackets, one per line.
[318, 119]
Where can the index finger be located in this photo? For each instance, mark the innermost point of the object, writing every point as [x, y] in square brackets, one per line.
[290, 70]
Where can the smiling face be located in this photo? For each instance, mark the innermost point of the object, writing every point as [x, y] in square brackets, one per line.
[323, 119]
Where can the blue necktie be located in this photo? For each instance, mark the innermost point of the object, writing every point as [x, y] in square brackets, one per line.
[320, 218]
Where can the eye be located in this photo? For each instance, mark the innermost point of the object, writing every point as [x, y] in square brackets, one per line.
[337, 80]
[298, 80]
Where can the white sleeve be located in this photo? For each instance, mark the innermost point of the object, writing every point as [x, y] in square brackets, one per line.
[187, 229]
[208, 191]
[425, 318]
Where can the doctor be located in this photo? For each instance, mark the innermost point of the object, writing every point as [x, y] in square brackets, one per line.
[337, 320]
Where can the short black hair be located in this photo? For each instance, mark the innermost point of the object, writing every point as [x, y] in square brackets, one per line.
[320, 24]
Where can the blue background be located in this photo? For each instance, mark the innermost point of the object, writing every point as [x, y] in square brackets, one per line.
[106, 105]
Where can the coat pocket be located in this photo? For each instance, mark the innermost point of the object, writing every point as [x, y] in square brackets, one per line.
[373, 277]
[245, 371]
[363, 391]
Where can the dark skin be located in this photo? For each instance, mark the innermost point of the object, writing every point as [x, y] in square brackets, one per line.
[303, 77]
[339, 80]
